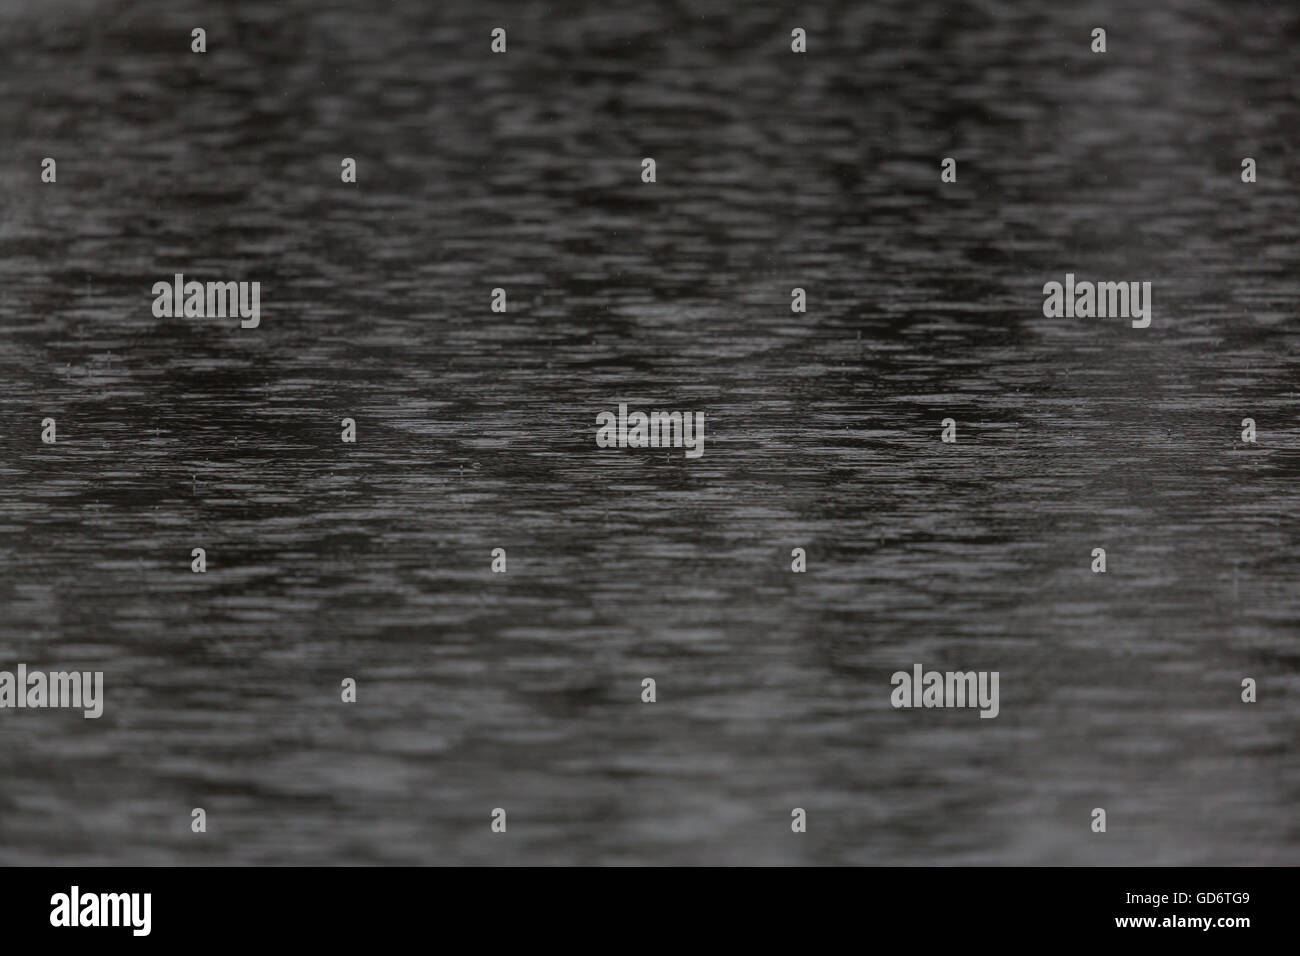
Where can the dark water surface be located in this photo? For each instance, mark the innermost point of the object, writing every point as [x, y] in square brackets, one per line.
[476, 431]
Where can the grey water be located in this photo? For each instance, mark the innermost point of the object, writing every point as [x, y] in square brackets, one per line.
[476, 431]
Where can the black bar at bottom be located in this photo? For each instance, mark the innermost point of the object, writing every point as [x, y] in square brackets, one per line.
[649, 907]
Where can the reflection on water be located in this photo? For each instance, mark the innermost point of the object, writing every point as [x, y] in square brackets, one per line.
[477, 431]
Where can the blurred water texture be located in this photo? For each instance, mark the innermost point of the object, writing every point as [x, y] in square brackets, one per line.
[476, 431]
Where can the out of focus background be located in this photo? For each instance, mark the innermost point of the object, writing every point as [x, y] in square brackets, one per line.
[476, 431]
